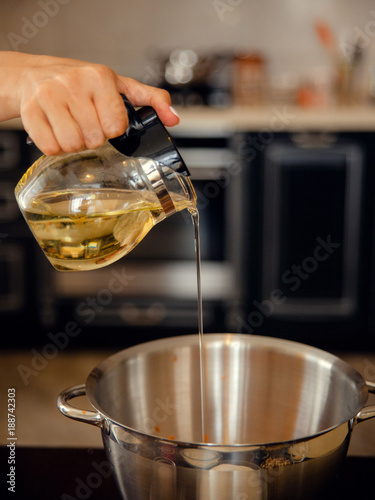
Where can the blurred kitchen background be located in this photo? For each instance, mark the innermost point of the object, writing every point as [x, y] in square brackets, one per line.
[277, 106]
[135, 38]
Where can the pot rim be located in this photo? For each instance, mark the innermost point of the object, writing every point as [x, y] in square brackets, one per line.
[265, 341]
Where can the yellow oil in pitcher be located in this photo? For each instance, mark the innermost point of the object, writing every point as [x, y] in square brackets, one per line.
[89, 238]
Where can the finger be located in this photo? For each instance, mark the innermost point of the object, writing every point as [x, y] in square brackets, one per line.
[64, 126]
[167, 114]
[111, 113]
[144, 95]
[85, 115]
[40, 132]
[98, 83]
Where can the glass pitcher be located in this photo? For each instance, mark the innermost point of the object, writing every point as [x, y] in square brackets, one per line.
[89, 209]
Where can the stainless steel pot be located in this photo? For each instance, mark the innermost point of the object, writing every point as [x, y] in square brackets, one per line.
[278, 417]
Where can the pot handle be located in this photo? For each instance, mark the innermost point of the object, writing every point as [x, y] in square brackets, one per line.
[89, 417]
[368, 411]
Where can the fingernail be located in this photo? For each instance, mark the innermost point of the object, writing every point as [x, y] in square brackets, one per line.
[174, 111]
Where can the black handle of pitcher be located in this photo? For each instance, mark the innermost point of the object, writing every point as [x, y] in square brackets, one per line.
[135, 123]
[147, 137]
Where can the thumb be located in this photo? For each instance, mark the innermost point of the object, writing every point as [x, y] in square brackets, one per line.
[145, 95]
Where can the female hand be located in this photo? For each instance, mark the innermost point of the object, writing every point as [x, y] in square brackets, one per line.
[69, 105]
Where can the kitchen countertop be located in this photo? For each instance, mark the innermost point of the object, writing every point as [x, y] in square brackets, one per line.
[67, 473]
[40, 424]
[272, 118]
[277, 118]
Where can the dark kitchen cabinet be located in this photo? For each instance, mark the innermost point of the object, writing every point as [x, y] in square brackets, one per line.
[18, 249]
[308, 222]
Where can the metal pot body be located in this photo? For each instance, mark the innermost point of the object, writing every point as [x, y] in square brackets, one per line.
[159, 470]
[278, 417]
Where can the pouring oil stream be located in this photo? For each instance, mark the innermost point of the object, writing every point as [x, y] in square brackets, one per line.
[195, 218]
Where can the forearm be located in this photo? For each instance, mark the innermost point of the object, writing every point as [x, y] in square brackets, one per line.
[13, 67]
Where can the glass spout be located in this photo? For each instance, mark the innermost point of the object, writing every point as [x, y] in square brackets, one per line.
[175, 192]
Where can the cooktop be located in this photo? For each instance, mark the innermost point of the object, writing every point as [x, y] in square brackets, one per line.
[72, 473]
